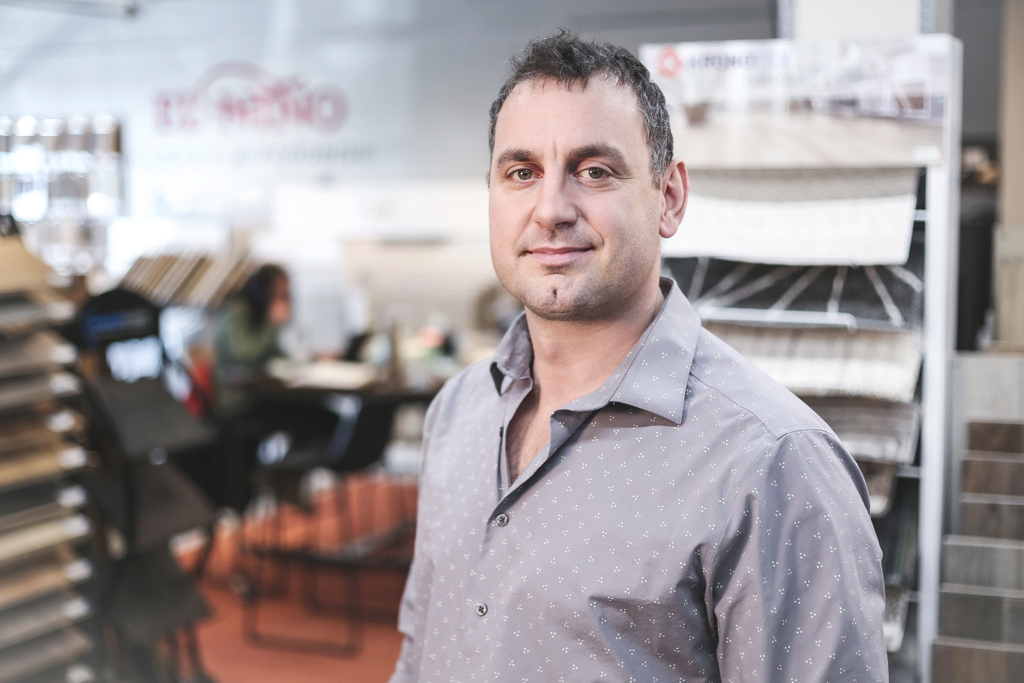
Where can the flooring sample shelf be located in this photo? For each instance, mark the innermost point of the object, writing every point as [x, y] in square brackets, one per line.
[1004, 437]
[39, 503]
[994, 563]
[25, 312]
[60, 570]
[43, 653]
[991, 614]
[995, 473]
[34, 539]
[33, 466]
[39, 617]
[38, 429]
[44, 618]
[35, 353]
[992, 515]
[22, 393]
[958, 660]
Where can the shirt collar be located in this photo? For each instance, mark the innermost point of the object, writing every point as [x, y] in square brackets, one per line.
[652, 376]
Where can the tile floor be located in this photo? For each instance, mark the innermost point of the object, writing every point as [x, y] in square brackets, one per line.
[230, 658]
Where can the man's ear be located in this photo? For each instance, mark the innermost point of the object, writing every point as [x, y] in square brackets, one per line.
[675, 189]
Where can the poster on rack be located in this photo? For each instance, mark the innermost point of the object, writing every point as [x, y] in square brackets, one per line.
[791, 104]
[804, 153]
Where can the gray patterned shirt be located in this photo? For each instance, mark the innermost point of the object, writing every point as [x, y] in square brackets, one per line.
[691, 520]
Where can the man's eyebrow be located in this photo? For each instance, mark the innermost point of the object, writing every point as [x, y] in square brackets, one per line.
[590, 151]
[515, 156]
[599, 151]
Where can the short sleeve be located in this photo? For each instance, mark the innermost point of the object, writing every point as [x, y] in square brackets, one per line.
[795, 584]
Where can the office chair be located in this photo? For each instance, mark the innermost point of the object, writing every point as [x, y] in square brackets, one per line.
[346, 433]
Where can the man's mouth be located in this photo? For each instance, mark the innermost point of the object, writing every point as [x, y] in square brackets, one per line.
[557, 256]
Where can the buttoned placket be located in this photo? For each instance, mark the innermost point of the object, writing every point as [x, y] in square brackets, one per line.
[564, 424]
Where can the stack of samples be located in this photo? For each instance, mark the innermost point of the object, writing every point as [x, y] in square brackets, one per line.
[187, 279]
[45, 570]
[816, 276]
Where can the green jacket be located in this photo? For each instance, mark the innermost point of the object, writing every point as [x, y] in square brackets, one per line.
[242, 355]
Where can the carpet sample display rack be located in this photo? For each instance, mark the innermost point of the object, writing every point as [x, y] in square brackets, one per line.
[47, 628]
[820, 240]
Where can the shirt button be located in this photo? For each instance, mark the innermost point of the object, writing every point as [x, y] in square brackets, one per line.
[501, 520]
[481, 609]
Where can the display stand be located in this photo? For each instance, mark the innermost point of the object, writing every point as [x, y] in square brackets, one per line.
[47, 628]
[942, 239]
[777, 107]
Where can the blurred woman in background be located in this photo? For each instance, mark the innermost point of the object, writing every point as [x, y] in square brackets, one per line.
[246, 337]
[245, 340]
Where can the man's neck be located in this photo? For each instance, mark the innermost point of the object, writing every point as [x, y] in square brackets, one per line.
[572, 359]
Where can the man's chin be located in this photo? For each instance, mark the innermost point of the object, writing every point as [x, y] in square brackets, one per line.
[559, 304]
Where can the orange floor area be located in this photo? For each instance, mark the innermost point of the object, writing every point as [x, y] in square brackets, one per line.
[231, 658]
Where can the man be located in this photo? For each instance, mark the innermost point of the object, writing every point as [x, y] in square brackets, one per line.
[617, 495]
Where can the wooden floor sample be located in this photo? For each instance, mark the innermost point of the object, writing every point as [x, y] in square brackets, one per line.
[36, 579]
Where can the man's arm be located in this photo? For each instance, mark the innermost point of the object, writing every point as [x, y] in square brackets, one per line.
[412, 612]
[796, 584]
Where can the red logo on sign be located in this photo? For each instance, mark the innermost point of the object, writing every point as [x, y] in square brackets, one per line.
[669, 62]
[240, 95]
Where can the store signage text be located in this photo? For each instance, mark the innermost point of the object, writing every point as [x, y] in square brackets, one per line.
[670, 63]
[246, 97]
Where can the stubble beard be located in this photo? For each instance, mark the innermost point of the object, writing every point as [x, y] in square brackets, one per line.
[582, 297]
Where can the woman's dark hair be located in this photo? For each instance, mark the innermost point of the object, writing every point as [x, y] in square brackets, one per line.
[569, 60]
[258, 289]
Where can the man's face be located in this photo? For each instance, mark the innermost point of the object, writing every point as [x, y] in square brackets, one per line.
[574, 211]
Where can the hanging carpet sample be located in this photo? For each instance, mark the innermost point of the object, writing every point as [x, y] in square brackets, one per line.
[894, 619]
[889, 297]
[880, 435]
[875, 431]
[880, 478]
[897, 536]
[831, 362]
[799, 216]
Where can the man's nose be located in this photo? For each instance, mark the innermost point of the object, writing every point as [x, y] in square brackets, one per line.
[555, 207]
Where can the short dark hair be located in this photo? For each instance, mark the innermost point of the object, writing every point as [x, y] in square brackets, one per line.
[569, 60]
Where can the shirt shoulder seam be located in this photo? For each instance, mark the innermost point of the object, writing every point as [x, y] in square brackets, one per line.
[739, 487]
[776, 433]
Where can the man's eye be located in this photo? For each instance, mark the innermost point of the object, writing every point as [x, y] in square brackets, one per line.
[523, 174]
[595, 173]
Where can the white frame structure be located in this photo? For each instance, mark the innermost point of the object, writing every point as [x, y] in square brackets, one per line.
[942, 239]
